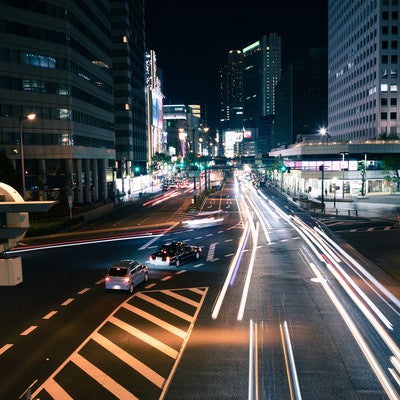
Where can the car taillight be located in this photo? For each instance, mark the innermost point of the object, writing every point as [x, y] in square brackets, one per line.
[167, 259]
[126, 279]
[107, 278]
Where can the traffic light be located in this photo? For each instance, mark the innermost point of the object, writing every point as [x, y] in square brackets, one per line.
[283, 168]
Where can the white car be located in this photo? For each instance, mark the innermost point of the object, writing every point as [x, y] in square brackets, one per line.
[126, 275]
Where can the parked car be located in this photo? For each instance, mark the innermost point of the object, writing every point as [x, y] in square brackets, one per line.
[175, 253]
[126, 275]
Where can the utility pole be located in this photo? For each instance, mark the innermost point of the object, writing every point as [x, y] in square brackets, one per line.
[321, 168]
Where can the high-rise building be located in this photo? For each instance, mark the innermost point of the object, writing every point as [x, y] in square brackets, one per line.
[301, 101]
[155, 97]
[261, 73]
[363, 65]
[75, 64]
[129, 55]
[234, 91]
[56, 63]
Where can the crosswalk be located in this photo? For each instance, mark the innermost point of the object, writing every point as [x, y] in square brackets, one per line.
[357, 225]
[133, 354]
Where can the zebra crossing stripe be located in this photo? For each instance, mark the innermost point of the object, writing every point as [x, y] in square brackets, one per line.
[177, 296]
[144, 337]
[103, 379]
[56, 391]
[165, 307]
[158, 321]
[133, 362]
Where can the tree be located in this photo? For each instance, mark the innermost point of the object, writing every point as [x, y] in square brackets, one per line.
[392, 163]
[158, 159]
[362, 168]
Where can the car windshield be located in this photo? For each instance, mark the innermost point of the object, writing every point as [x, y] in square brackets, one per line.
[117, 271]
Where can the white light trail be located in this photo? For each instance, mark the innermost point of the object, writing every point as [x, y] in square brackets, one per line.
[379, 372]
[232, 267]
[248, 276]
[295, 392]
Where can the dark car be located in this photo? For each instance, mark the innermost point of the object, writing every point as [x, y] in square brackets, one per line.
[126, 275]
[175, 253]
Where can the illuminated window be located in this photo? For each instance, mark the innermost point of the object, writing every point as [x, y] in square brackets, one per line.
[125, 39]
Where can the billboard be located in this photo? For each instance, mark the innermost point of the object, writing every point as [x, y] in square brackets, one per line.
[156, 110]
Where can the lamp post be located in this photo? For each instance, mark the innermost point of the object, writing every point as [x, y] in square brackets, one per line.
[334, 192]
[321, 168]
[343, 155]
[30, 117]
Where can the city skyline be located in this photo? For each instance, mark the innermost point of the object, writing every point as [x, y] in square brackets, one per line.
[195, 45]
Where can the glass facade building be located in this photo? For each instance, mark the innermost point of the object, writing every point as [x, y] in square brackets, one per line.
[363, 67]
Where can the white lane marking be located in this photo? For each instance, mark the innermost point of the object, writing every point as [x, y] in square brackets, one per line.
[5, 348]
[164, 306]
[128, 359]
[50, 314]
[181, 298]
[160, 346]
[56, 391]
[103, 379]
[68, 301]
[158, 321]
[28, 331]
[146, 245]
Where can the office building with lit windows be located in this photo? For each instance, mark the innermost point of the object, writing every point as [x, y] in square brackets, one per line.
[231, 92]
[129, 73]
[363, 65]
[55, 61]
[261, 73]
[79, 66]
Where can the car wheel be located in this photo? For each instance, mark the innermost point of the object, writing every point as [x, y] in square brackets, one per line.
[177, 262]
[197, 255]
[131, 288]
[146, 277]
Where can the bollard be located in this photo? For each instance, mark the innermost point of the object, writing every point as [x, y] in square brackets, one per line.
[356, 213]
[337, 212]
[348, 212]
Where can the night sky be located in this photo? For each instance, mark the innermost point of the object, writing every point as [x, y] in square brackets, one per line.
[192, 43]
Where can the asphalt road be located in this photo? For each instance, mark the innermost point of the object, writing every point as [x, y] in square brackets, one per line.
[195, 352]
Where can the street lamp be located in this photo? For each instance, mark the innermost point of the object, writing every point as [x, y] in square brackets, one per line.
[324, 132]
[334, 192]
[343, 156]
[30, 117]
[321, 168]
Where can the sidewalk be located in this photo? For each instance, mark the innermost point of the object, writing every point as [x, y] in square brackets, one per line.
[386, 206]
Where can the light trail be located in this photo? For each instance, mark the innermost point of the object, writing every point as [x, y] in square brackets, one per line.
[232, 266]
[362, 270]
[80, 243]
[294, 386]
[332, 255]
[379, 372]
[248, 276]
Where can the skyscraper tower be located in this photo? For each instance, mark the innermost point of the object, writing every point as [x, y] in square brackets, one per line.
[129, 60]
[363, 68]
[261, 73]
[235, 90]
[56, 63]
